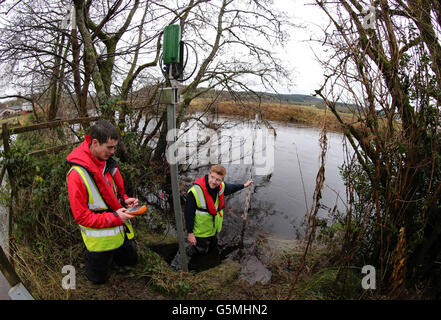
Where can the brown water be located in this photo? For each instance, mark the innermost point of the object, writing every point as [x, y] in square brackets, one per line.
[278, 206]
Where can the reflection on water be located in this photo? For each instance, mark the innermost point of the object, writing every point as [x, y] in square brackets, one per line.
[285, 168]
[278, 204]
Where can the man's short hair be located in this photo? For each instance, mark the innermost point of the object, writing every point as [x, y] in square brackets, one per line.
[103, 130]
[220, 170]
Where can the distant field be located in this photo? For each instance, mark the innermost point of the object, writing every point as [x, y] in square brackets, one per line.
[274, 111]
[14, 121]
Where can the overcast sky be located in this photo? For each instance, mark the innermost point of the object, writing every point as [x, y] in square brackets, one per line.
[299, 51]
[309, 74]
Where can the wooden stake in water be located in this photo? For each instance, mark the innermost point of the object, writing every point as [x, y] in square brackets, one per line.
[250, 188]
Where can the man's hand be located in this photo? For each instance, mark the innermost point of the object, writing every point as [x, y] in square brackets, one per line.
[131, 202]
[248, 183]
[192, 239]
[124, 216]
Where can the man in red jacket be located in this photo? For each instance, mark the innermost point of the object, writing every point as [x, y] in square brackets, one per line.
[98, 202]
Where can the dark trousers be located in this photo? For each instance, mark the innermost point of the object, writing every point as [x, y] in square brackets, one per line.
[203, 246]
[99, 263]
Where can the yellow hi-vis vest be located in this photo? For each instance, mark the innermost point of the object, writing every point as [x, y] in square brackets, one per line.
[105, 239]
[206, 224]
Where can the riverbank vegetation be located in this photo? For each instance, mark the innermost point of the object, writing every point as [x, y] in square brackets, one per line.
[389, 66]
[273, 111]
[44, 239]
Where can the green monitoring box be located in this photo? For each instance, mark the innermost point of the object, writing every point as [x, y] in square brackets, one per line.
[172, 39]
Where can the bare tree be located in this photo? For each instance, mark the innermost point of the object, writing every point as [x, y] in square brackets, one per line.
[236, 41]
[388, 70]
[115, 46]
[33, 50]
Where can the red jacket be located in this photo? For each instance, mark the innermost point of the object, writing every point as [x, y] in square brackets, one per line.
[208, 199]
[78, 193]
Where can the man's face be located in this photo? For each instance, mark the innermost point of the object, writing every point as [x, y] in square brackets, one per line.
[103, 151]
[214, 180]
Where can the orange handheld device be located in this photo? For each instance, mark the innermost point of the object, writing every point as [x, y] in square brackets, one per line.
[137, 210]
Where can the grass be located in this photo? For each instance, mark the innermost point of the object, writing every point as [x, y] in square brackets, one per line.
[272, 111]
[40, 266]
[153, 279]
[17, 120]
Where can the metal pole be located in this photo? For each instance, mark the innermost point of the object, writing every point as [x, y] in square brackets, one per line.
[171, 125]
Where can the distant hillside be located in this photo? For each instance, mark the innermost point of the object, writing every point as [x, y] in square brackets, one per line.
[295, 98]
[304, 99]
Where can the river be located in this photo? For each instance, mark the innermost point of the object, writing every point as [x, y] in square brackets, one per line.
[285, 175]
[285, 169]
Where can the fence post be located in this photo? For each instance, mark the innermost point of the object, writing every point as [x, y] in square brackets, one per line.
[6, 149]
[18, 291]
[8, 270]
